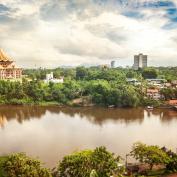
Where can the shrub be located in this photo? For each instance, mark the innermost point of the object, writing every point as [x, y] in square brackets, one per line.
[171, 165]
[151, 155]
[84, 163]
[23, 166]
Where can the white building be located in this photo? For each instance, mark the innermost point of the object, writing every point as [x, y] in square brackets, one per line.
[133, 81]
[50, 78]
[140, 61]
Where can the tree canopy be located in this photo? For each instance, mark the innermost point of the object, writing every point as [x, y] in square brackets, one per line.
[152, 155]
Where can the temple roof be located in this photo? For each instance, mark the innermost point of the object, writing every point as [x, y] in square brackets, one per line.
[4, 57]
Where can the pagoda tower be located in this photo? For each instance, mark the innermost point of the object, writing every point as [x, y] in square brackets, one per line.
[8, 69]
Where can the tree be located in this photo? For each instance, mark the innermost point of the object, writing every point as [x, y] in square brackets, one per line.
[149, 73]
[81, 73]
[168, 93]
[104, 162]
[151, 155]
[171, 165]
[131, 74]
[77, 164]
[99, 162]
[71, 89]
[21, 165]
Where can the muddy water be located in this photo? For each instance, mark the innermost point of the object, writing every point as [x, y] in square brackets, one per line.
[52, 132]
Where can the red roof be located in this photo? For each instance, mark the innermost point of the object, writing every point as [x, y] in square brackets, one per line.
[152, 91]
[172, 102]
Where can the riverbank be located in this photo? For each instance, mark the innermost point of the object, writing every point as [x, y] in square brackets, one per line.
[77, 103]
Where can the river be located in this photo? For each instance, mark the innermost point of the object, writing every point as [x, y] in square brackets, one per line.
[52, 132]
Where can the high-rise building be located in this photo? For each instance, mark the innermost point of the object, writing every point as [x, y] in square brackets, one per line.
[113, 64]
[140, 61]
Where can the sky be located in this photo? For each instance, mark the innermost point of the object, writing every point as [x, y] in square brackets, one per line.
[54, 33]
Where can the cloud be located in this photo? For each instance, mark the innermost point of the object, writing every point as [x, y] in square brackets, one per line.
[50, 33]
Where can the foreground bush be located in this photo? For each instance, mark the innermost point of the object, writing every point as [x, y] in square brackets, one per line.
[82, 164]
[20, 165]
[171, 165]
[152, 155]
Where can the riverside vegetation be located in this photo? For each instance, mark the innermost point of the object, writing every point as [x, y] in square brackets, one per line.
[89, 86]
[93, 163]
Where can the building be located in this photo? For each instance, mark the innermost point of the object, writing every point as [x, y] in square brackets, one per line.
[160, 83]
[104, 66]
[154, 94]
[113, 64]
[50, 78]
[172, 102]
[140, 61]
[133, 81]
[156, 81]
[174, 83]
[8, 69]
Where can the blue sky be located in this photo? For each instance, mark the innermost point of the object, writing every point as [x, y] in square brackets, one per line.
[51, 33]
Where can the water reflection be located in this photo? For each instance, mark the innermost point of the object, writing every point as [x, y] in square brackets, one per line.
[52, 132]
[96, 115]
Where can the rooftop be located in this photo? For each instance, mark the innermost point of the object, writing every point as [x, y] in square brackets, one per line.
[3, 56]
[152, 91]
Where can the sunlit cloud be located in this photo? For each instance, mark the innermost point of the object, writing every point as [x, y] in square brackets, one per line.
[51, 33]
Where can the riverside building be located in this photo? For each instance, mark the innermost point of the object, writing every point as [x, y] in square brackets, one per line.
[8, 69]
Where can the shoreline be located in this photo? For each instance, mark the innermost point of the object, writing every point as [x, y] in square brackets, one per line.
[51, 104]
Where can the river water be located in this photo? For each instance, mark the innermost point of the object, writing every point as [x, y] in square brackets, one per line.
[52, 132]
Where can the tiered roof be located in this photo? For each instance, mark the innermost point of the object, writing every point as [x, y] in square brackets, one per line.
[3, 56]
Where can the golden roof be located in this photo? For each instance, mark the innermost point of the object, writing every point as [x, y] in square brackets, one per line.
[3, 56]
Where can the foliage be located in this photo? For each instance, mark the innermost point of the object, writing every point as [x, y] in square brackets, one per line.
[168, 73]
[81, 73]
[21, 165]
[104, 162]
[171, 165]
[90, 163]
[105, 93]
[77, 164]
[2, 159]
[93, 174]
[102, 92]
[149, 73]
[85, 163]
[152, 102]
[105, 86]
[151, 155]
[169, 93]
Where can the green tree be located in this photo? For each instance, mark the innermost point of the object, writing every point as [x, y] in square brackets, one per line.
[171, 165]
[21, 165]
[151, 155]
[168, 93]
[131, 74]
[77, 164]
[149, 73]
[104, 162]
[82, 164]
[81, 73]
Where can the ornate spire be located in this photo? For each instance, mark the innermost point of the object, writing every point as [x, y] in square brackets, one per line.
[3, 56]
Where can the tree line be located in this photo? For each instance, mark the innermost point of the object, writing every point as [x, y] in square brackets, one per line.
[93, 163]
[100, 92]
[99, 86]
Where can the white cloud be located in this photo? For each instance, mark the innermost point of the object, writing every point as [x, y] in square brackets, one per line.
[49, 33]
